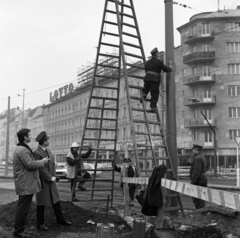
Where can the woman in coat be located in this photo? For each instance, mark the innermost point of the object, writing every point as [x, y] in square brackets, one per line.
[49, 194]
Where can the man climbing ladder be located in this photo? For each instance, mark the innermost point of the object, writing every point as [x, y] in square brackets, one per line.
[153, 69]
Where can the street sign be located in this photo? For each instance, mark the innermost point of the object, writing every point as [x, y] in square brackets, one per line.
[237, 140]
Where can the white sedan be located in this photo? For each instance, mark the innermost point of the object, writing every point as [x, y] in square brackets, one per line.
[61, 171]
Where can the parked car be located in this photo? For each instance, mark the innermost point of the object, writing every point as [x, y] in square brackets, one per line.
[61, 171]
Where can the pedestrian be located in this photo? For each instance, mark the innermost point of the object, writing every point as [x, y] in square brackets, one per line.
[49, 194]
[73, 159]
[131, 172]
[26, 179]
[153, 69]
[197, 172]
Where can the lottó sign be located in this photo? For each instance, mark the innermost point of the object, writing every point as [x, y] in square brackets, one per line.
[61, 92]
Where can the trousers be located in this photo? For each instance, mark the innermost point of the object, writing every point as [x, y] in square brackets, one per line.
[23, 207]
[199, 203]
[83, 181]
[153, 88]
[57, 210]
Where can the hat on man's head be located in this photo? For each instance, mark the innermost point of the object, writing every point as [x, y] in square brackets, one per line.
[75, 145]
[199, 147]
[42, 136]
[154, 51]
[127, 160]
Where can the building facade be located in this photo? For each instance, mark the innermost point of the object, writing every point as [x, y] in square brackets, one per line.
[208, 84]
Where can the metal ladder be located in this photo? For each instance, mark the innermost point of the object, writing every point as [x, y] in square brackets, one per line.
[120, 31]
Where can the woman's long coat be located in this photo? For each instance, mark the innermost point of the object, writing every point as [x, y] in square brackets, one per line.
[49, 194]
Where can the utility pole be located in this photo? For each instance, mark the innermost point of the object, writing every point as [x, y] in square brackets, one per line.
[171, 127]
[7, 138]
[23, 107]
[215, 145]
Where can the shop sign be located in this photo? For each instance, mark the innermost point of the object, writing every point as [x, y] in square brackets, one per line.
[61, 92]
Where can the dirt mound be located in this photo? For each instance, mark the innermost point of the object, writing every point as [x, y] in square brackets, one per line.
[77, 215]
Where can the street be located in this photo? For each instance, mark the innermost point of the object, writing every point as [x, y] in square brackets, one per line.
[7, 191]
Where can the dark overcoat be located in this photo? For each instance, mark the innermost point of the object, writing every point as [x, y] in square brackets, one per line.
[49, 194]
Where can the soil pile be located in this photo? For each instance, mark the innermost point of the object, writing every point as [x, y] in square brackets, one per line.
[77, 215]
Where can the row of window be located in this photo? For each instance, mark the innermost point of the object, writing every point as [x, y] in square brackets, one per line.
[82, 103]
[205, 28]
[208, 135]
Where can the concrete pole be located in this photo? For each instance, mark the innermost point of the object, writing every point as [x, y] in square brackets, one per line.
[7, 138]
[171, 128]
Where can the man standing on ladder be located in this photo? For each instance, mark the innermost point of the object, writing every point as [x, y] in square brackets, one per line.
[153, 69]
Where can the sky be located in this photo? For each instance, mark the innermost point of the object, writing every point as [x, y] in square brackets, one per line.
[44, 42]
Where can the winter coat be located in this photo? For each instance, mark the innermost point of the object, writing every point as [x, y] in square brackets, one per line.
[153, 199]
[49, 194]
[25, 172]
[198, 169]
[71, 163]
[157, 66]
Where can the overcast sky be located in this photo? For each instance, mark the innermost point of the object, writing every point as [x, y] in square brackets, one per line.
[43, 42]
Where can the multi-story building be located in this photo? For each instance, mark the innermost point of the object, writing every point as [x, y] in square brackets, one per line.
[35, 124]
[208, 82]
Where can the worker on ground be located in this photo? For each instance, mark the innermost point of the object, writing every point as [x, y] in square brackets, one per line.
[131, 172]
[197, 173]
[153, 69]
[49, 194]
[73, 158]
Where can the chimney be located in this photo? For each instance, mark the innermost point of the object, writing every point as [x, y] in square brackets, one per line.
[238, 7]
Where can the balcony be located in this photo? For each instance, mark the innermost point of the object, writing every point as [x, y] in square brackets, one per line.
[200, 101]
[199, 123]
[192, 80]
[199, 36]
[199, 57]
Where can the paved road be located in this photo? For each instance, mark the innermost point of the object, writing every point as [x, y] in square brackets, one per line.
[7, 193]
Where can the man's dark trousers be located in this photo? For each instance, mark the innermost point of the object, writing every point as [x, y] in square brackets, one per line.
[199, 203]
[24, 204]
[57, 210]
[153, 87]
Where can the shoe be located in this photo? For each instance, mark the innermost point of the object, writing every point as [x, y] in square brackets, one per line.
[75, 200]
[42, 227]
[65, 223]
[22, 234]
[81, 188]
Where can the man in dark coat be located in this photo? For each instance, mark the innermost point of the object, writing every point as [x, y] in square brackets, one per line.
[131, 173]
[49, 194]
[197, 173]
[153, 69]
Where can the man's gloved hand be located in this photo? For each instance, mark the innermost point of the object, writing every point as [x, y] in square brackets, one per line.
[53, 179]
[45, 160]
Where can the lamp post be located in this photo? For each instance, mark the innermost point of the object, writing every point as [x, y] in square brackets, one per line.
[215, 145]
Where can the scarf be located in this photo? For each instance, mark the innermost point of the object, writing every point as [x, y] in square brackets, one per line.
[26, 146]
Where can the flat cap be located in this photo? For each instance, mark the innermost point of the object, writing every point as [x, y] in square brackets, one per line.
[154, 51]
[197, 146]
[42, 136]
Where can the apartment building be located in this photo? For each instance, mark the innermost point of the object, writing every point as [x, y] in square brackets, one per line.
[208, 83]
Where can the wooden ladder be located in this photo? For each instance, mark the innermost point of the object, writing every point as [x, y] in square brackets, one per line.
[120, 34]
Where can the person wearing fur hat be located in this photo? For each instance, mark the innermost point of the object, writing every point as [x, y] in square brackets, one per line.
[73, 158]
[153, 69]
[131, 172]
[49, 194]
